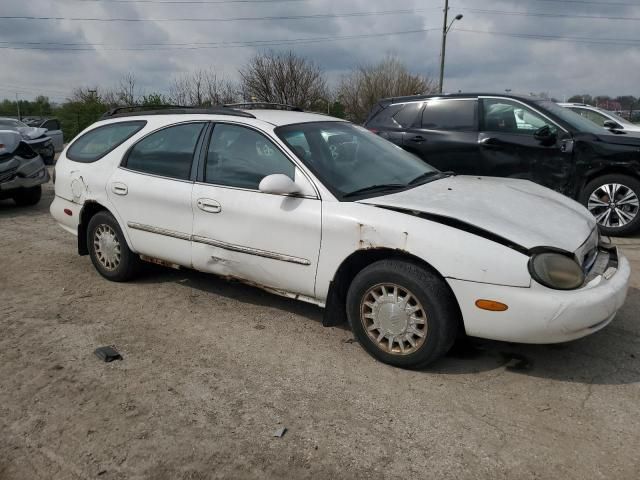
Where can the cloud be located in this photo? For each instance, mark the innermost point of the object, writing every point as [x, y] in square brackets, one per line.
[475, 61]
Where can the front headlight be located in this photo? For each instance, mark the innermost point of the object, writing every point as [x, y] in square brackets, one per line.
[556, 271]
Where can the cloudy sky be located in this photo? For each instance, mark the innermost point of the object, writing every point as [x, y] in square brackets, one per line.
[557, 46]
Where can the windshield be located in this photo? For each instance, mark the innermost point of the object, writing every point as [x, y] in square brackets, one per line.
[349, 158]
[574, 119]
[10, 123]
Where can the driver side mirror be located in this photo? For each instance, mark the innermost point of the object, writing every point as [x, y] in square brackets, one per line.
[279, 184]
[545, 135]
[611, 125]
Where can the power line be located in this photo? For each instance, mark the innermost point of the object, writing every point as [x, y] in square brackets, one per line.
[44, 46]
[236, 19]
[536, 36]
[588, 2]
[188, 2]
[547, 15]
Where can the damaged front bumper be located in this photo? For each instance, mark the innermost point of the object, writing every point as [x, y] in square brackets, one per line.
[538, 314]
[17, 173]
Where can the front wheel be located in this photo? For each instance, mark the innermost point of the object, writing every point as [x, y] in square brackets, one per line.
[614, 201]
[108, 249]
[402, 313]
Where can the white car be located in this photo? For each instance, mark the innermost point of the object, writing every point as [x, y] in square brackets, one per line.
[321, 210]
[602, 117]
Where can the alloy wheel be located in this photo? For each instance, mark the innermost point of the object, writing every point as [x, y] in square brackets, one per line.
[393, 318]
[107, 247]
[613, 205]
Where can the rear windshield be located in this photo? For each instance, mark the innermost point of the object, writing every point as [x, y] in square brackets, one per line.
[96, 143]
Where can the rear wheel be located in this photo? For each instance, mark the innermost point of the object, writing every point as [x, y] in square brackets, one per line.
[108, 249]
[614, 200]
[402, 313]
[28, 196]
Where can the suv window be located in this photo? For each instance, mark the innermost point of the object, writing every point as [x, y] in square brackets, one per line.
[96, 143]
[459, 115]
[384, 118]
[500, 115]
[242, 157]
[51, 125]
[407, 116]
[167, 152]
[396, 116]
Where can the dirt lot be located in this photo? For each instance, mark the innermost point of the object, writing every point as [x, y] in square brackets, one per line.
[212, 369]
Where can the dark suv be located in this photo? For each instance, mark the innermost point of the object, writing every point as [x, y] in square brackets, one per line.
[521, 137]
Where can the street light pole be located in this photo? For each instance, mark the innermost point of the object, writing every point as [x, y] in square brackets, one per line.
[444, 44]
[445, 31]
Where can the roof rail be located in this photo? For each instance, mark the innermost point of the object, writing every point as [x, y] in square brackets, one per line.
[264, 106]
[134, 110]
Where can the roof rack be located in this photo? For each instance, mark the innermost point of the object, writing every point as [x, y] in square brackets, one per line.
[134, 110]
[264, 106]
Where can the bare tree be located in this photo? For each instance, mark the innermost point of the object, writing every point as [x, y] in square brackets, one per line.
[126, 90]
[201, 88]
[365, 85]
[283, 78]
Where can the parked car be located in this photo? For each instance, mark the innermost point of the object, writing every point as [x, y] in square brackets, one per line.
[521, 137]
[22, 171]
[603, 118]
[35, 137]
[52, 128]
[321, 210]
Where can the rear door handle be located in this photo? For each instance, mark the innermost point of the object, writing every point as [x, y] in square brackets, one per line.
[208, 205]
[119, 188]
[418, 139]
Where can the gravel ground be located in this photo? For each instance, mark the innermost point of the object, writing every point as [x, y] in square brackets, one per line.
[212, 369]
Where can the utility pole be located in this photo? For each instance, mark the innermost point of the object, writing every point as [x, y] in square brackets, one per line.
[444, 44]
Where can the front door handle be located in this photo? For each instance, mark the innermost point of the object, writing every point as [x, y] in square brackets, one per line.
[208, 205]
[119, 188]
[417, 139]
[490, 141]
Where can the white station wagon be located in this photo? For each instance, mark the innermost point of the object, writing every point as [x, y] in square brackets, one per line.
[321, 210]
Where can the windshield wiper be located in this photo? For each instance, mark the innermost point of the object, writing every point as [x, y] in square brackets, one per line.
[375, 188]
[427, 175]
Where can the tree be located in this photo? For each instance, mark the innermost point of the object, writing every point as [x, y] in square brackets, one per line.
[125, 93]
[202, 88]
[283, 78]
[365, 85]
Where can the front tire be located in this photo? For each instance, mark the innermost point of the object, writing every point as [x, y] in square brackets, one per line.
[108, 249]
[28, 196]
[614, 200]
[402, 313]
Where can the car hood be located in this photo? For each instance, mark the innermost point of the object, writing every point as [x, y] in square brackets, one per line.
[518, 210]
[31, 133]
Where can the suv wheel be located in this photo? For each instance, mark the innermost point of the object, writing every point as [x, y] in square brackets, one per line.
[402, 313]
[108, 249]
[614, 201]
[28, 196]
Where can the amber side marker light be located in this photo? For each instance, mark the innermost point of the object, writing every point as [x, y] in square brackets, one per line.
[491, 305]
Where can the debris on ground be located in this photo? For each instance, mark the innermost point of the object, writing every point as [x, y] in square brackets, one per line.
[280, 432]
[107, 354]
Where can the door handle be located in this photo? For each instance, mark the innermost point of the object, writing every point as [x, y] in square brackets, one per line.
[490, 141]
[208, 205]
[119, 188]
[418, 139]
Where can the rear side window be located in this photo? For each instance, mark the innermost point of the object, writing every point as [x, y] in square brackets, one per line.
[167, 152]
[96, 143]
[401, 115]
[457, 115]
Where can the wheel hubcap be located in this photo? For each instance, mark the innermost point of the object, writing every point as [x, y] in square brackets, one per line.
[393, 318]
[613, 205]
[107, 247]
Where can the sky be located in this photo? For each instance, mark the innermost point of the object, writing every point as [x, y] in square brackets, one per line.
[561, 47]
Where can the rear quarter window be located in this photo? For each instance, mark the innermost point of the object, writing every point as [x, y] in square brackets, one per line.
[96, 143]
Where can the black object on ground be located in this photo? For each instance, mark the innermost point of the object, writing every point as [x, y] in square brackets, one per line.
[107, 354]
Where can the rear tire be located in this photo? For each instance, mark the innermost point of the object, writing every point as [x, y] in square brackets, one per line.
[403, 314]
[28, 196]
[614, 200]
[108, 249]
